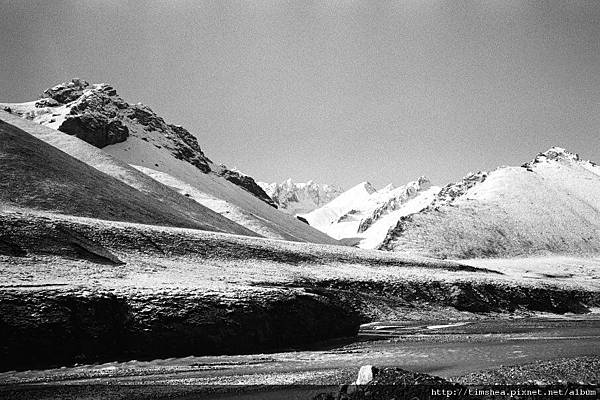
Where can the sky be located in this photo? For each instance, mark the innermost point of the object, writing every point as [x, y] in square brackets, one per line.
[335, 91]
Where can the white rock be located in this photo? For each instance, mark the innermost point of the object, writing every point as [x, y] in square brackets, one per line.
[365, 375]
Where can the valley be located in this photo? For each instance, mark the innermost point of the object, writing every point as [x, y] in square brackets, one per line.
[129, 257]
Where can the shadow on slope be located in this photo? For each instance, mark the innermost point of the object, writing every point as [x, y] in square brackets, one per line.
[123, 172]
[38, 176]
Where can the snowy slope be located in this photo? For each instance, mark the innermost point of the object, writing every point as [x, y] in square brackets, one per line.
[329, 214]
[362, 216]
[37, 176]
[548, 206]
[123, 172]
[135, 135]
[300, 197]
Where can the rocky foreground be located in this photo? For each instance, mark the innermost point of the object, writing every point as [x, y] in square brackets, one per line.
[574, 374]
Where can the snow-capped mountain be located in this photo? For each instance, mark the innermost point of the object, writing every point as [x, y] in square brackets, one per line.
[134, 134]
[300, 198]
[550, 205]
[363, 215]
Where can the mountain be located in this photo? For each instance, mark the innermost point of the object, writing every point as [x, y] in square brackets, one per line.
[36, 176]
[550, 205]
[300, 198]
[135, 135]
[363, 215]
[94, 157]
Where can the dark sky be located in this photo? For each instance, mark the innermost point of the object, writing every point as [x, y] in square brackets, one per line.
[336, 91]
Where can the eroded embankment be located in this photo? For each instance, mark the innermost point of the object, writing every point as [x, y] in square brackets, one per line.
[45, 327]
[48, 326]
[378, 300]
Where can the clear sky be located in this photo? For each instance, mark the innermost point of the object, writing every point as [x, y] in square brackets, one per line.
[336, 91]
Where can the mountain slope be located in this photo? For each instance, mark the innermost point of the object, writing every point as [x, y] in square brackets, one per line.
[123, 172]
[362, 216]
[548, 206]
[35, 175]
[331, 212]
[135, 135]
[300, 198]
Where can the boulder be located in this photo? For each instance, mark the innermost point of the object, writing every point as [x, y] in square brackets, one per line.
[366, 374]
[96, 129]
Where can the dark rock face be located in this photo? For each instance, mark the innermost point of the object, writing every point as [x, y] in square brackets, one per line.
[95, 129]
[246, 182]
[302, 219]
[57, 327]
[65, 92]
[189, 149]
[454, 190]
[477, 297]
[100, 117]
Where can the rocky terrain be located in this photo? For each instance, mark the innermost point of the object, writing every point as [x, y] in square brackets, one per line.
[99, 116]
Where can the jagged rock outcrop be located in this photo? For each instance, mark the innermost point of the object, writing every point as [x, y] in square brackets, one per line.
[95, 129]
[63, 93]
[397, 199]
[554, 154]
[453, 190]
[93, 115]
[248, 183]
[96, 114]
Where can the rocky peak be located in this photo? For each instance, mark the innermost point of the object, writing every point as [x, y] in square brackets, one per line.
[367, 186]
[66, 92]
[96, 114]
[553, 154]
[300, 197]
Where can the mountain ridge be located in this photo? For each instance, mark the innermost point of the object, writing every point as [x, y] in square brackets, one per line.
[550, 205]
[135, 135]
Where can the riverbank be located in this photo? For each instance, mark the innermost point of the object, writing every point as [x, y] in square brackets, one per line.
[78, 290]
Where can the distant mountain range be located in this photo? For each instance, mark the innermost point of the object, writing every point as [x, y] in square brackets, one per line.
[82, 150]
[363, 215]
[549, 205]
[300, 198]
